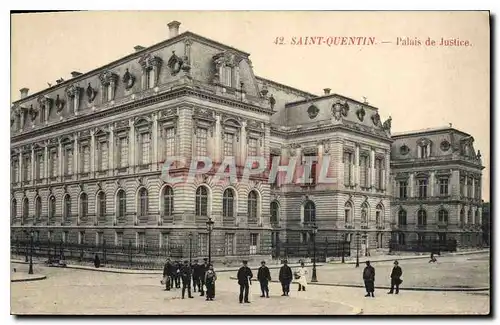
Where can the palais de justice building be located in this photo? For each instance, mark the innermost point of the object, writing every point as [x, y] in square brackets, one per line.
[87, 155]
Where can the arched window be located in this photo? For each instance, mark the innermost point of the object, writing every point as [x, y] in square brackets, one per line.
[469, 217]
[443, 217]
[26, 209]
[348, 212]
[364, 213]
[38, 208]
[228, 203]
[13, 210]
[275, 212]
[309, 212]
[52, 208]
[252, 206]
[402, 217]
[122, 203]
[67, 207]
[168, 201]
[101, 204]
[401, 238]
[422, 217]
[201, 201]
[379, 216]
[143, 202]
[462, 216]
[84, 205]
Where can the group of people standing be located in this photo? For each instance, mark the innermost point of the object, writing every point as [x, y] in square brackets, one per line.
[286, 277]
[201, 275]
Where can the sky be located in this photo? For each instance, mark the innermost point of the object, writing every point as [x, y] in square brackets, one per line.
[418, 86]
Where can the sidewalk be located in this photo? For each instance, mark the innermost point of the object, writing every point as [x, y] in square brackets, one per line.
[23, 277]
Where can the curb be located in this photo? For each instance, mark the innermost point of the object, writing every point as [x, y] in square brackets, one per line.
[386, 287]
[139, 272]
[37, 278]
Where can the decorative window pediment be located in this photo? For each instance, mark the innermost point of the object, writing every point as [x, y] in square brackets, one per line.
[142, 123]
[230, 122]
[423, 142]
[150, 70]
[73, 93]
[422, 175]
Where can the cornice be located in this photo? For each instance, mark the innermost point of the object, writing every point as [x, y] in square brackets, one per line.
[154, 99]
[285, 87]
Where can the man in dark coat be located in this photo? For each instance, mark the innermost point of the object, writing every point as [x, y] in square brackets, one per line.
[264, 276]
[369, 278]
[196, 276]
[285, 278]
[244, 280]
[186, 275]
[203, 269]
[97, 261]
[396, 274]
[167, 274]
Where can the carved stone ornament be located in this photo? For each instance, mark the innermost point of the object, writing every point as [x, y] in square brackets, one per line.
[107, 77]
[387, 124]
[360, 113]
[12, 117]
[376, 119]
[272, 101]
[264, 91]
[45, 102]
[33, 112]
[128, 79]
[404, 150]
[91, 93]
[326, 145]
[59, 104]
[445, 145]
[478, 156]
[73, 91]
[338, 110]
[148, 61]
[312, 111]
[175, 64]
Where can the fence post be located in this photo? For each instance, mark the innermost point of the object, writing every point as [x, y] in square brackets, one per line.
[130, 252]
[104, 251]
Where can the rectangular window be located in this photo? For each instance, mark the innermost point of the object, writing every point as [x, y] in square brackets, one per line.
[443, 186]
[311, 170]
[228, 145]
[39, 166]
[379, 167]
[15, 170]
[164, 240]
[477, 191]
[346, 216]
[109, 93]
[462, 186]
[85, 159]
[27, 168]
[203, 244]
[469, 187]
[229, 245]
[150, 81]
[201, 142]
[119, 238]
[252, 147]
[145, 146]
[68, 161]
[170, 142]
[140, 239]
[123, 152]
[53, 165]
[364, 167]
[99, 238]
[227, 76]
[254, 242]
[102, 156]
[403, 189]
[348, 160]
[422, 188]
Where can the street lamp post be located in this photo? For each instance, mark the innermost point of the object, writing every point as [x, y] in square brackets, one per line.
[343, 243]
[357, 249]
[314, 230]
[31, 253]
[210, 226]
[27, 248]
[190, 246]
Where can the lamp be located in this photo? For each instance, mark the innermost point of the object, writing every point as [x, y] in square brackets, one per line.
[210, 226]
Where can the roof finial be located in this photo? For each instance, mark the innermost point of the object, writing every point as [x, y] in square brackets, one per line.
[450, 125]
[365, 100]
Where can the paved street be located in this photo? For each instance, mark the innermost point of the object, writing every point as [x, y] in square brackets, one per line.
[70, 291]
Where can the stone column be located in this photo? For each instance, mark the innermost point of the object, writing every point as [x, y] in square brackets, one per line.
[154, 142]
[216, 155]
[32, 163]
[432, 181]
[20, 172]
[111, 149]
[473, 188]
[46, 161]
[466, 190]
[372, 168]
[357, 175]
[242, 154]
[411, 185]
[60, 150]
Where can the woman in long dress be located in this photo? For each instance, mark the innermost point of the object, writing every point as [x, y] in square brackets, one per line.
[210, 278]
[302, 277]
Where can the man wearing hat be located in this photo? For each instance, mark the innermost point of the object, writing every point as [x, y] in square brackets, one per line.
[285, 278]
[203, 269]
[196, 276]
[264, 276]
[396, 274]
[244, 280]
[167, 275]
[369, 278]
[186, 275]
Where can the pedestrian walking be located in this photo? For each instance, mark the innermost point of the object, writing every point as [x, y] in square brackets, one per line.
[244, 280]
[369, 278]
[433, 258]
[285, 278]
[396, 274]
[186, 275]
[97, 261]
[196, 276]
[202, 271]
[210, 278]
[167, 275]
[264, 276]
[301, 276]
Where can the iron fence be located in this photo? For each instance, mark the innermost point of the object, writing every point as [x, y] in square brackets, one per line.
[324, 249]
[148, 256]
[427, 246]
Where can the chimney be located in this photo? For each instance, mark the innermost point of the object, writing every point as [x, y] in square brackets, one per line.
[24, 92]
[75, 74]
[138, 48]
[327, 91]
[173, 28]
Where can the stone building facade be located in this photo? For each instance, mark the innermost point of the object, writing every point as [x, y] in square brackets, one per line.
[436, 176]
[87, 156]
